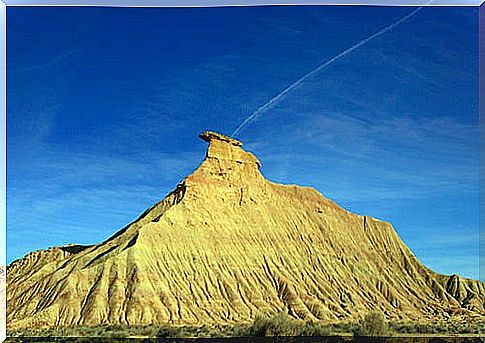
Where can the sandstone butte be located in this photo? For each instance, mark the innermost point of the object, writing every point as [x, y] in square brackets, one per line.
[227, 244]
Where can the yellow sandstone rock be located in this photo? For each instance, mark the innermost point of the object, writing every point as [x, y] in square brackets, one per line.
[228, 244]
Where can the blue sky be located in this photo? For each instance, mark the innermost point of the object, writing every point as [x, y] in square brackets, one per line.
[105, 106]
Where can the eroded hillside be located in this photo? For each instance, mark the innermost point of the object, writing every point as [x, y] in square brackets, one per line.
[227, 244]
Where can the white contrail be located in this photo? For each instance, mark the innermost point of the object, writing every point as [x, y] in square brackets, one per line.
[295, 84]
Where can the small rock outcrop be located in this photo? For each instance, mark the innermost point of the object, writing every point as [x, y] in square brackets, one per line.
[228, 244]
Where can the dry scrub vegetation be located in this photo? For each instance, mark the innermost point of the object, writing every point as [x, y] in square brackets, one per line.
[373, 324]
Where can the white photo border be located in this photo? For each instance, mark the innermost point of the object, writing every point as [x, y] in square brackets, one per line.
[4, 4]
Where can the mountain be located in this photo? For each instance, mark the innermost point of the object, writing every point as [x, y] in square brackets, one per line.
[227, 244]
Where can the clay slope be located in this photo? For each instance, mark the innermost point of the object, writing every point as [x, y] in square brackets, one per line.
[227, 244]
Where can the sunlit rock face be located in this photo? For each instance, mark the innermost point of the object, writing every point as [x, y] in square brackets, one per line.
[228, 244]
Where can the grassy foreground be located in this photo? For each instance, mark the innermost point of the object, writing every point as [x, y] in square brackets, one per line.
[372, 325]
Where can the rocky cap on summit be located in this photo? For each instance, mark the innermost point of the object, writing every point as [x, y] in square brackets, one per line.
[208, 136]
[224, 151]
[227, 244]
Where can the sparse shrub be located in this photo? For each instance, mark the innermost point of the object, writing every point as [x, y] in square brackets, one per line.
[284, 325]
[238, 330]
[259, 326]
[314, 329]
[168, 332]
[372, 325]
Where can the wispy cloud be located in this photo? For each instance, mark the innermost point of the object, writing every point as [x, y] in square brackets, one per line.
[396, 158]
[49, 63]
[460, 244]
[39, 116]
[67, 194]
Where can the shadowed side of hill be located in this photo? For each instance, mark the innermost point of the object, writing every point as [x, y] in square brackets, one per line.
[228, 244]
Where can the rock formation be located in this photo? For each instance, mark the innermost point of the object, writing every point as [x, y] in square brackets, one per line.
[228, 244]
